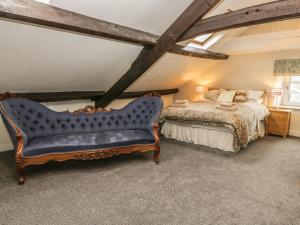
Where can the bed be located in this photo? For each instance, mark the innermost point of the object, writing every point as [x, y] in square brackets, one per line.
[204, 123]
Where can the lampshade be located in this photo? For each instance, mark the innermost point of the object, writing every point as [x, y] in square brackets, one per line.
[277, 92]
[200, 89]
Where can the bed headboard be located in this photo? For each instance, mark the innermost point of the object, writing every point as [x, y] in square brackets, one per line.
[264, 96]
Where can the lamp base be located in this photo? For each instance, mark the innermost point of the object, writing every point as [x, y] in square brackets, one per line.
[276, 102]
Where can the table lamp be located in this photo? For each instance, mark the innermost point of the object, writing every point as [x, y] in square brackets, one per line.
[200, 90]
[277, 92]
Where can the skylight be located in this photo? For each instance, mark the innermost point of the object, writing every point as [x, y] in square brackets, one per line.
[201, 41]
[205, 41]
[43, 1]
[202, 38]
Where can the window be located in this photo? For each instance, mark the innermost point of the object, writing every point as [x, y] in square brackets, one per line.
[43, 1]
[205, 41]
[292, 91]
[202, 39]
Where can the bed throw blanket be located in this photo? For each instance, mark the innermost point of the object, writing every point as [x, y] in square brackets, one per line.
[243, 121]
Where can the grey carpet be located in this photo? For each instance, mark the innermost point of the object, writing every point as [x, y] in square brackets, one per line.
[192, 185]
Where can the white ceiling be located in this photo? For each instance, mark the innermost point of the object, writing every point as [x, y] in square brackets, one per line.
[283, 35]
[39, 59]
[153, 16]
[234, 5]
[171, 71]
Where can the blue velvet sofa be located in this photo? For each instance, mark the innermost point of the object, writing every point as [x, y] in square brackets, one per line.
[40, 135]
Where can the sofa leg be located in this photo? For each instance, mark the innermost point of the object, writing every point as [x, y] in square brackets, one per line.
[156, 156]
[21, 174]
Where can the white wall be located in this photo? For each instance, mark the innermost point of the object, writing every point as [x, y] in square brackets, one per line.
[244, 71]
[120, 103]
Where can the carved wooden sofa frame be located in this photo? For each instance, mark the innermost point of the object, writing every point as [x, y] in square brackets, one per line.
[19, 137]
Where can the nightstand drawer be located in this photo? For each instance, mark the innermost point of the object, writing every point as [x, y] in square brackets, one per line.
[274, 129]
[278, 116]
[276, 122]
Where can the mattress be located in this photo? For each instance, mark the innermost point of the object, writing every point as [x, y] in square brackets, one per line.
[220, 138]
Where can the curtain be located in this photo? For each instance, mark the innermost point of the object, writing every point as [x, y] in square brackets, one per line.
[287, 67]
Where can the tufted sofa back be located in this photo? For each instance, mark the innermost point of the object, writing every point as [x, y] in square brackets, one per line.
[36, 120]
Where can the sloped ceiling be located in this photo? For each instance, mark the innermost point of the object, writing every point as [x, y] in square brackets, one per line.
[153, 16]
[171, 71]
[226, 5]
[39, 59]
[283, 35]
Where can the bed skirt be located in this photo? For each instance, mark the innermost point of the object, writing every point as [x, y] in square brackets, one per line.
[214, 137]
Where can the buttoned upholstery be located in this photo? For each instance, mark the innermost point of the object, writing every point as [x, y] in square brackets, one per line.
[39, 124]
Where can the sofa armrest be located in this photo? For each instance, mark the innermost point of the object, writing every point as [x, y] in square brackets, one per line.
[15, 132]
[155, 132]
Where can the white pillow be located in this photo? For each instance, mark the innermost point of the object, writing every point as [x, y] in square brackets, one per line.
[260, 101]
[212, 95]
[254, 95]
[226, 96]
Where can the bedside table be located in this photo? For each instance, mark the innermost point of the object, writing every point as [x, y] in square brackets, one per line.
[278, 122]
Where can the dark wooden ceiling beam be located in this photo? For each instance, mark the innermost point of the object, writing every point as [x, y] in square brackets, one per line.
[61, 96]
[136, 94]
[80, 95]
[150, 55]
[254, 15]
[198, 53]
[51, 17]
[36, 13]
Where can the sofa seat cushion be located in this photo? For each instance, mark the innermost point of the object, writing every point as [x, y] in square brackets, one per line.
[86, 141]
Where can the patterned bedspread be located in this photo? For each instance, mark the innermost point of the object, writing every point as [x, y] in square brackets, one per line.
[243, 121]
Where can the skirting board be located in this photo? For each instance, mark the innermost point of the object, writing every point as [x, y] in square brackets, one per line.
[6, 147]
[295, 133]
